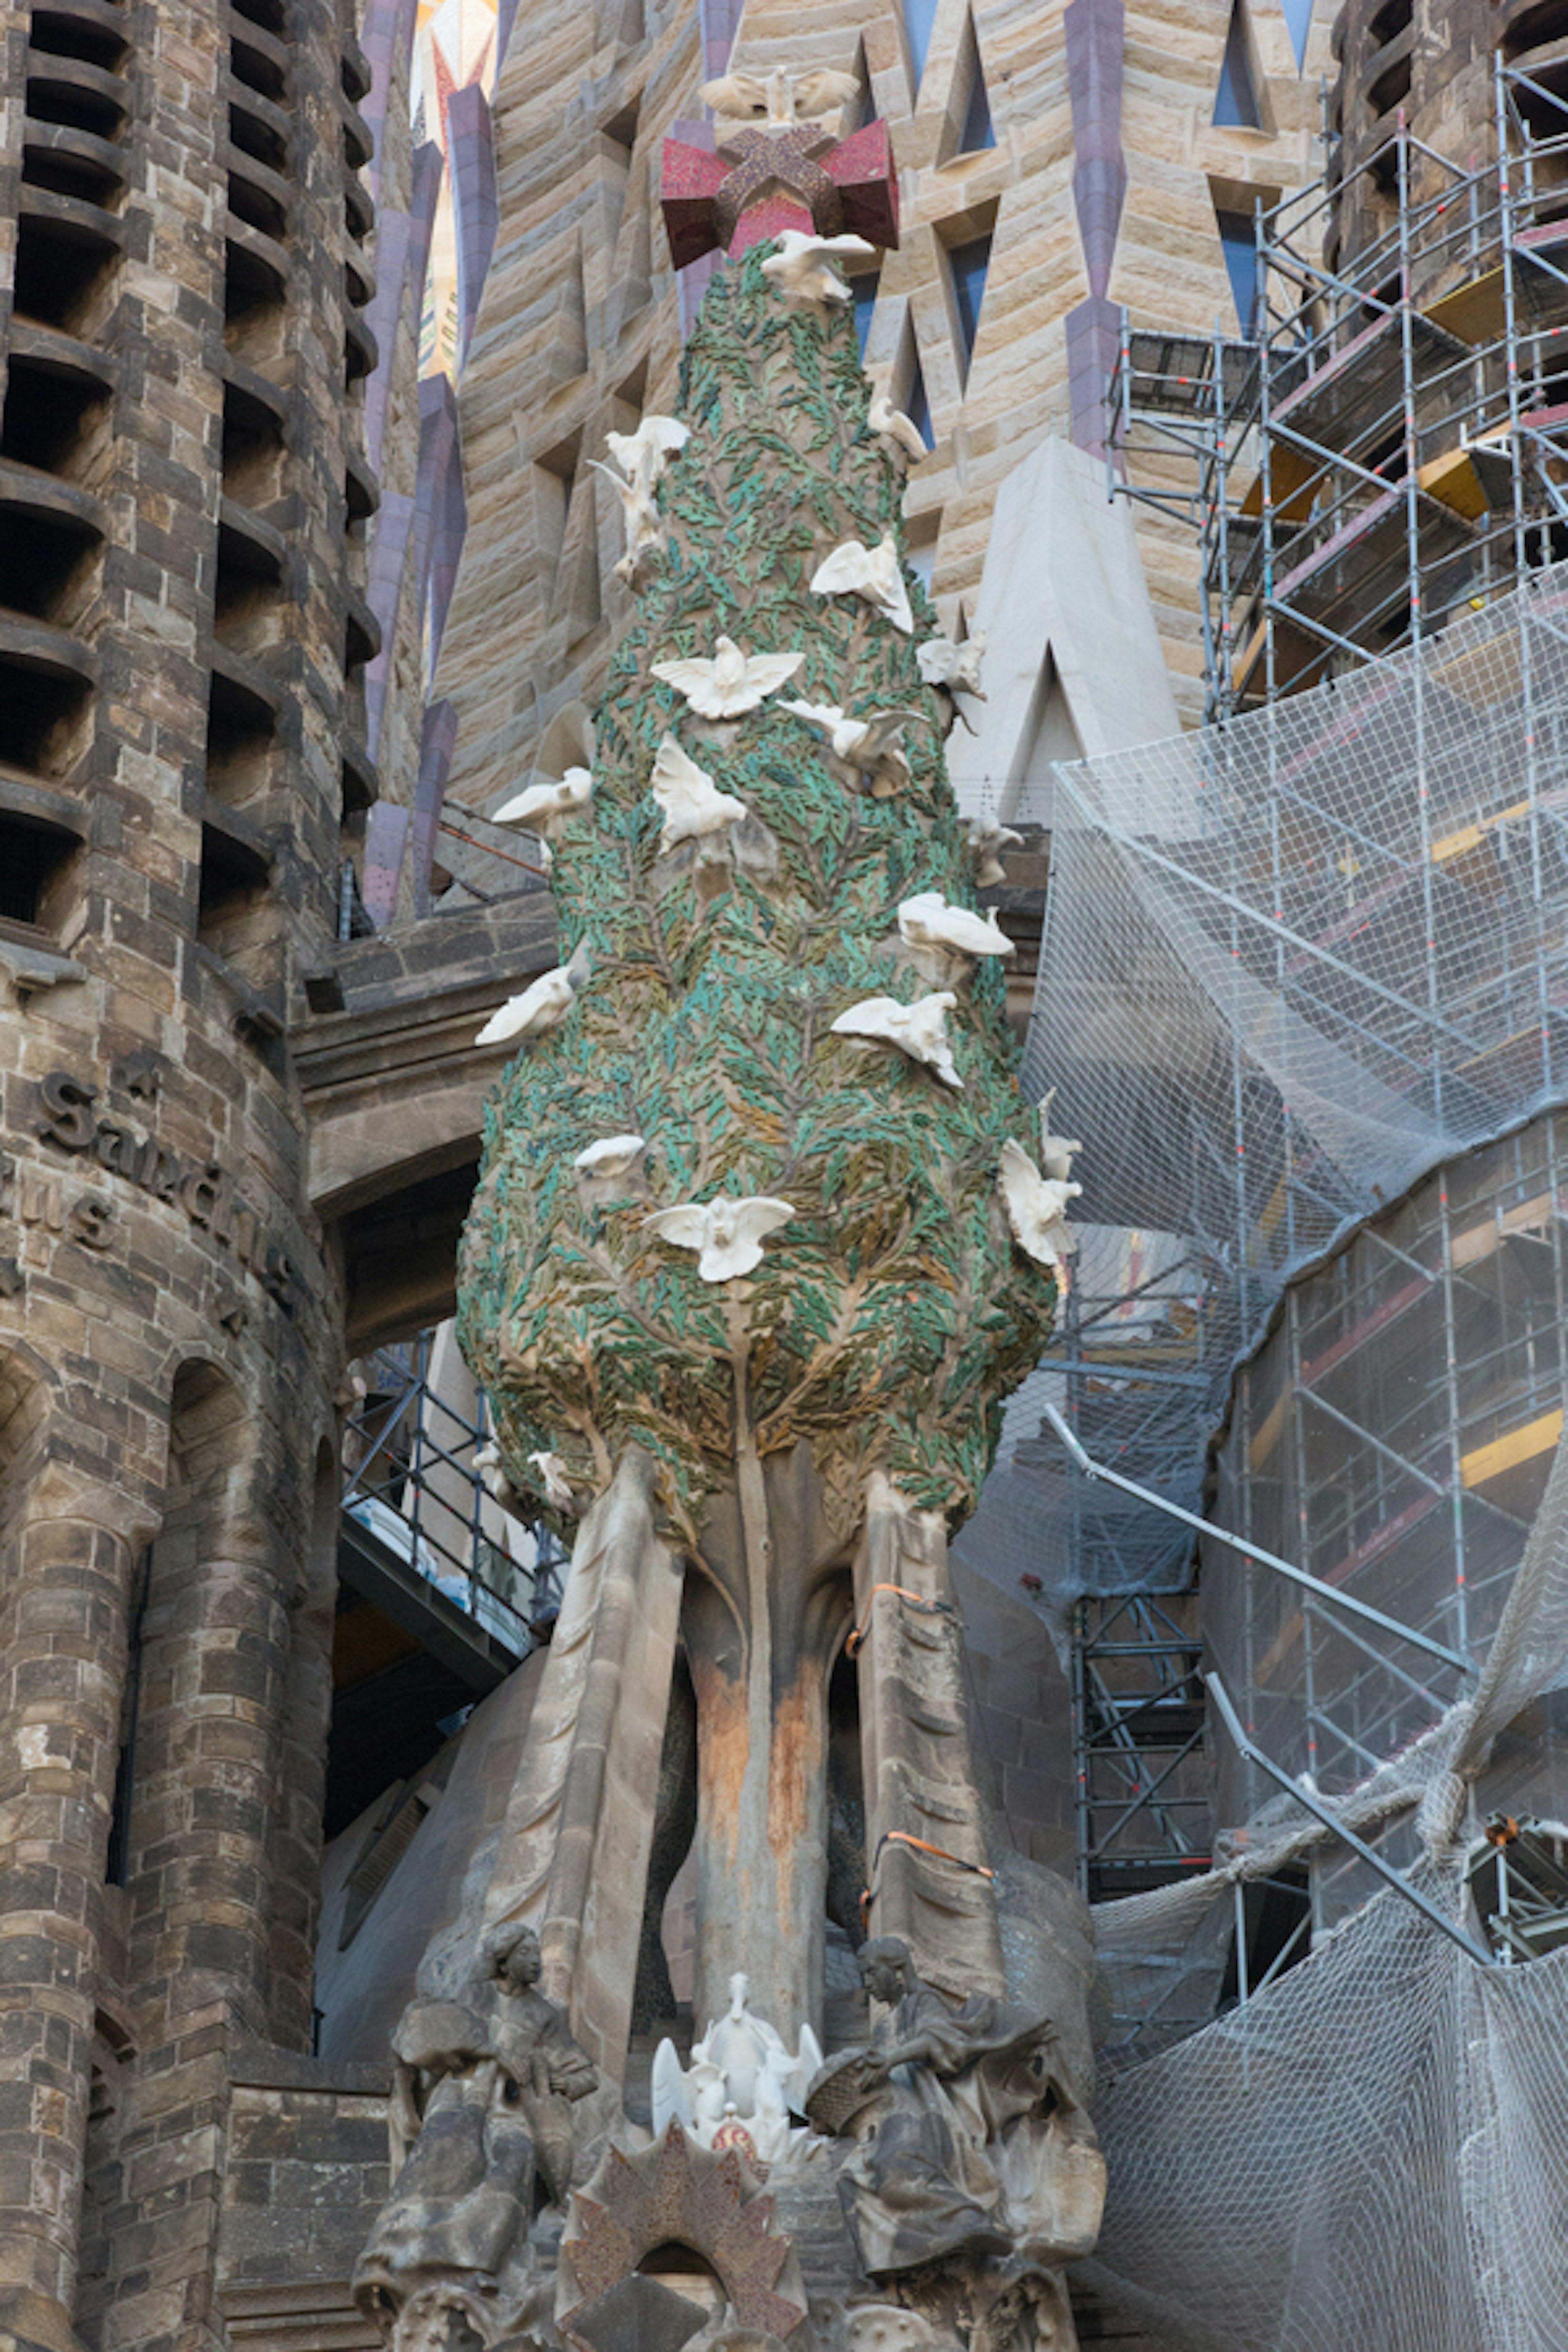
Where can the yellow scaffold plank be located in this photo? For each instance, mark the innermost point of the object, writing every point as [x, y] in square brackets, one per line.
[1520, 1445]
[1452, 479]
[1473, 311]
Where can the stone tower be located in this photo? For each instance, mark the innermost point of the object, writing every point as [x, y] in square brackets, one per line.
[182, 270]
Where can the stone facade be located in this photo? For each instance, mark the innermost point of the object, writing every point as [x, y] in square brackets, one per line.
[236, 1150]
[1104, 184]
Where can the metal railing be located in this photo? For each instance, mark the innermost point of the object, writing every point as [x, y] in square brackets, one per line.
[416, 1486]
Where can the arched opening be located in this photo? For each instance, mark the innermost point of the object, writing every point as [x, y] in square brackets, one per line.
[684, 2272]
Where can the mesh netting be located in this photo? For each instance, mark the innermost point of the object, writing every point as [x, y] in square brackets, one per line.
[1288, 967]
[1372, 2152]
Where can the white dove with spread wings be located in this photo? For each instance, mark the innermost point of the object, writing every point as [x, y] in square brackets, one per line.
[540, 1007]
[613, 1155]
[894, 425]
[1036, 1206]
[727, 1233]
[692, 804]
[802, 274]
[780, 97]
[872, 572]
[543, 806]
[927, 920]
[872, 744]
[918, 1030]
[643, 456]
[986, 843]
[942, 663]
[731, 683]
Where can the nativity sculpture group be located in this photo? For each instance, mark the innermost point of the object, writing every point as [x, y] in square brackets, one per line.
[763, 1239]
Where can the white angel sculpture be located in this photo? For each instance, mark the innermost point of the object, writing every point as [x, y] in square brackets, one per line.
[872, 572]
[802, 274]
[927, 920]
[694, 805]
[895, 426]
[543, 807]
[727, 1233]
[918, 1030]
[552, 1478]
[780, 97]
[540, 1007]
[741, 2071]
[1036, 1206]
[731, 683]
[872, 744]
[613, 1155]
[957, 667]
[986, 843]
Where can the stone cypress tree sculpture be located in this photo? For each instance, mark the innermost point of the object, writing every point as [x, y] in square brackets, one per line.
[748, 1210]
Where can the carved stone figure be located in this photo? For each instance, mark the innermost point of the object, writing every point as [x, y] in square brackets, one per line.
[969, 2142]
[482, 2137]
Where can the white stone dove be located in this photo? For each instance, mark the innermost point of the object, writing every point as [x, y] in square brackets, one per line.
[643, 456]
[802, 274]
[1057, 1153]
[872, 572]
[613, 1155]
[1036, 1206]
[543, 806]
[551, 1472]
[540, 1007]
[780, 97]
[728, 1233]
[731, 683]
[928, 921]
[884, 418]
[986, 843]
[872, 744]
[643, 526]
[692, 804]
[942, 663]
[918, 1030]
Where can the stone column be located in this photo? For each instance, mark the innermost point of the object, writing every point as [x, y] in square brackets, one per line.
[574, 1853]
[210, 1751]
[763, 1627]
[925, 1841]
[62, 1662]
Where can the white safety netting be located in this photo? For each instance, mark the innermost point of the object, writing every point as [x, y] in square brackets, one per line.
[1371, 2155]
[1288, 967]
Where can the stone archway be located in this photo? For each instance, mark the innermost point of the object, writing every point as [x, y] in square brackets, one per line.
[678, 2193]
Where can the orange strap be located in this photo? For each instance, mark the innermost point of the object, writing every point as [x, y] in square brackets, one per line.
[915, 1599]
[901, 1837]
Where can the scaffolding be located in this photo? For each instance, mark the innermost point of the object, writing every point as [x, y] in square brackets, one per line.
[1307, 973]
[1389, 448]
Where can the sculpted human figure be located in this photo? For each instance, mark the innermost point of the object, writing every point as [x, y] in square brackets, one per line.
[969, 2142]
[481, 2130]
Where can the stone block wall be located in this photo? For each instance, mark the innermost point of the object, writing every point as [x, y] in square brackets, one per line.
[1104, 184]
[182, 638]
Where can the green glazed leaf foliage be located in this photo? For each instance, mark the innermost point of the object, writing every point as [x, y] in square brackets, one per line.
[889, 1320]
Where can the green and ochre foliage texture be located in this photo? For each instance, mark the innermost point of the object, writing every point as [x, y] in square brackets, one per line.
[890, 1319]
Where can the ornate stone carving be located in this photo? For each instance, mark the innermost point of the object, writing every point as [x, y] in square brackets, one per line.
[675, 2193]
[970, 2144]
[482, 2136]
